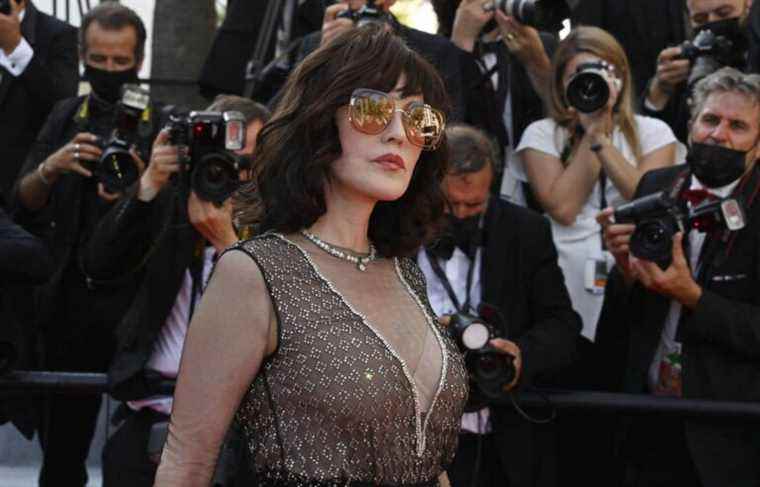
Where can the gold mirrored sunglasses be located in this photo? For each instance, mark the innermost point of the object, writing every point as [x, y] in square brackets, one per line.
[371, 111]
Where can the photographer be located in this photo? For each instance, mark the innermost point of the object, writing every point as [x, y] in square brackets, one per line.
[498, 253]
[60, 197]
[692, 324]
[38, 63]
[167, 236]
[667, 92]
[517, 57]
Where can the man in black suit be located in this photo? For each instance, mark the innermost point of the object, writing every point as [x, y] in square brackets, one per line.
[59, 196]
[501, 254]
[692, 328]
[38, 67]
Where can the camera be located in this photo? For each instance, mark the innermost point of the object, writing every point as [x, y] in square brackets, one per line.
[489, 369]
[116, 168]
[587, 90]
[209, 167]
[365, 15]
[709, 52]
[5, 7]
[658, 217]
[545, 15]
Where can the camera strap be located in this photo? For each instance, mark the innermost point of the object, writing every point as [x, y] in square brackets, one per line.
[441, 275]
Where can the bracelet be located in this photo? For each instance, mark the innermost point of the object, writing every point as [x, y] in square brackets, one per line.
[41, 174]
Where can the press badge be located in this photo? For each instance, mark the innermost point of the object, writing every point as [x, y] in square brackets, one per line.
[595, 275]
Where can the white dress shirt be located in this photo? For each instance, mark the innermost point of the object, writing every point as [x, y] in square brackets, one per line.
[456, 270]
[17, 61]
[167, 349]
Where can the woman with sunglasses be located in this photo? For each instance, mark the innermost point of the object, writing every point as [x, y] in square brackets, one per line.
[317, 336]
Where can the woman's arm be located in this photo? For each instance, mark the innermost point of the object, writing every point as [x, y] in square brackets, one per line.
[561, 189]
[626, 176]
[232, 331]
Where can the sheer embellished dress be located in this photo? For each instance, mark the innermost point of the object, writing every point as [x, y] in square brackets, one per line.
[364, 387]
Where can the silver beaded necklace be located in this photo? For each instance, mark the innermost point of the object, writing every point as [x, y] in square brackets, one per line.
[361, 262]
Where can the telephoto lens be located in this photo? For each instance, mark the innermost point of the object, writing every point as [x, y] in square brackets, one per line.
[546, 15]
[588, 89]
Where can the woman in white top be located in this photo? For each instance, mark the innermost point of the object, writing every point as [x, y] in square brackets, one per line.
[577, 163]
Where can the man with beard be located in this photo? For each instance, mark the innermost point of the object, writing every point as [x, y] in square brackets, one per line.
[667, 92]
[502, 256]
[58, 197]
[692, 329]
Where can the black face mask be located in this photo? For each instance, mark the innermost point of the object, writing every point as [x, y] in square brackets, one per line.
[107, 84]
[465, 232]
[731, 30]
[716, 166]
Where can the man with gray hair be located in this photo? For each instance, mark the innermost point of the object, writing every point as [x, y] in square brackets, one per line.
[693, 328]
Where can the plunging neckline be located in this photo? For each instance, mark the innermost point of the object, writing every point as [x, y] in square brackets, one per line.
[420, 422]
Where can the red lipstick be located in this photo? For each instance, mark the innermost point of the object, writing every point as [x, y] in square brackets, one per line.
[391, 161]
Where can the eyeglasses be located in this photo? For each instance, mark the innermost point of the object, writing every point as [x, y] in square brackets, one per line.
[371, 112]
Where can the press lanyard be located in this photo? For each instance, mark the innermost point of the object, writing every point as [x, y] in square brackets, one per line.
[602, 199]
[436, 266]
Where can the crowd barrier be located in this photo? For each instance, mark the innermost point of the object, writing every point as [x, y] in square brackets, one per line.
[75, 383]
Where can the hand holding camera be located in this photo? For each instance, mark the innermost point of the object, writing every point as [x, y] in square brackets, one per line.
[164, 162]
[469, 21]
[333, 25]
[493, 363]
[10, 25]
[69, 158]
[523, 41]
[212, 221]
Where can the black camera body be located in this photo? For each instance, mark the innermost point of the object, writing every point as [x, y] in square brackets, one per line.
[587, 90]
[366, 14]
[489, 369]
[116, 168]
[546, 15]
[709, 52]
[5, 7]
[209, 167]
[658, 217]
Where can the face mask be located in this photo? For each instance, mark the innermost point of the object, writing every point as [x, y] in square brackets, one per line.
[731, 30]
[466, 232]
[716, 166]
[107, 84]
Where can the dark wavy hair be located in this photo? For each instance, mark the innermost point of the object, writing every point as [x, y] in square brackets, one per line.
[297, 147]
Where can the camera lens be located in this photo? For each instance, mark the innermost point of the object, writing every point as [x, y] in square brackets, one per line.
[588, 91]
[653, 240]
[215, 177]
[117, 169]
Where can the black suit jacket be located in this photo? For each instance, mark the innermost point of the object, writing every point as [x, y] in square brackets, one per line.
[520, 276]
[720, 337]
[25, 102]
[154, 243]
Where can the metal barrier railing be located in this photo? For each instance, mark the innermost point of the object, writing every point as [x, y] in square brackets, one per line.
[77, 383]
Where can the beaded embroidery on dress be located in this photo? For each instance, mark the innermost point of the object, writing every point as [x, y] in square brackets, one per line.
[352, 395]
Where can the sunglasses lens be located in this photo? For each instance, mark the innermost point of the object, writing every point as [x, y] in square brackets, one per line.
[424, 126]
[371, 112]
